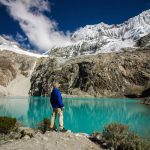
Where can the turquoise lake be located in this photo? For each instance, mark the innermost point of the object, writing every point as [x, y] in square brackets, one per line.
[80, 114]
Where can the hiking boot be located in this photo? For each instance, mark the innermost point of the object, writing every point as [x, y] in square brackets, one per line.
[53, 129]
[63, 130]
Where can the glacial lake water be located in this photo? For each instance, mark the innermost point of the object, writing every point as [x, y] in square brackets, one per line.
[80, 114]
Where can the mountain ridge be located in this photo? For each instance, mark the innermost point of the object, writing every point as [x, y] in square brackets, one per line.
[104, 38]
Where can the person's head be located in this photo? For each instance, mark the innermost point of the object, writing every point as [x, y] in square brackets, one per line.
[56, 85]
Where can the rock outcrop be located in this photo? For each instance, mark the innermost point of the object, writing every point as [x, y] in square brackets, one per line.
[144, 41]
[103, 75]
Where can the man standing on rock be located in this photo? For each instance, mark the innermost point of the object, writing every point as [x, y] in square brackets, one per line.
[57, 105]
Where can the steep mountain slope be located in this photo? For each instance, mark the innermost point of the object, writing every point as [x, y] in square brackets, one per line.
[15, 73]
[103, 38]
[107, 74]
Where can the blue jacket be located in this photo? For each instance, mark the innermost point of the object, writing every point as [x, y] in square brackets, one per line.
[56, 99]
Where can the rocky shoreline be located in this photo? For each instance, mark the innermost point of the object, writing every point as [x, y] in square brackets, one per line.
[114, 136]
[28, 139]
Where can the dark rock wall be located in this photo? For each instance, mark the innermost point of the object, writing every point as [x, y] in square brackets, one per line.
[104, 75]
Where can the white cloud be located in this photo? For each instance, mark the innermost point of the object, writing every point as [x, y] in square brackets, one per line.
[40, 30]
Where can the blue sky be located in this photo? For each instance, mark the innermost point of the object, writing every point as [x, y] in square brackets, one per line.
[67, 15]
[73, 14]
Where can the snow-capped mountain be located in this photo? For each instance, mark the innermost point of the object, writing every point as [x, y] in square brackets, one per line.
[103, 38]
[94, 39]
[15, 47]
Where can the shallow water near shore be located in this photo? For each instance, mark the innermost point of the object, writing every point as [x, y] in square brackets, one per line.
[80, 114]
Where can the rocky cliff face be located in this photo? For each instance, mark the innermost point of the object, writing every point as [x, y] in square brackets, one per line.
[12, 66]
[103, 75]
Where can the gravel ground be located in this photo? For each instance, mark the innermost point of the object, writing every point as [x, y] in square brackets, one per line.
[52, 141]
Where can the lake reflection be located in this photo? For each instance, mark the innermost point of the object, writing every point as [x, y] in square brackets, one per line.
[82, 114]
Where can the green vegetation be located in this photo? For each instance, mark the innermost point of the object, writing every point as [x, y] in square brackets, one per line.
[119, 137]
[44, 125]
[7, 124]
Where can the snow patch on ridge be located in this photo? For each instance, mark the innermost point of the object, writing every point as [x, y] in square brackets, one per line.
[14, 47]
